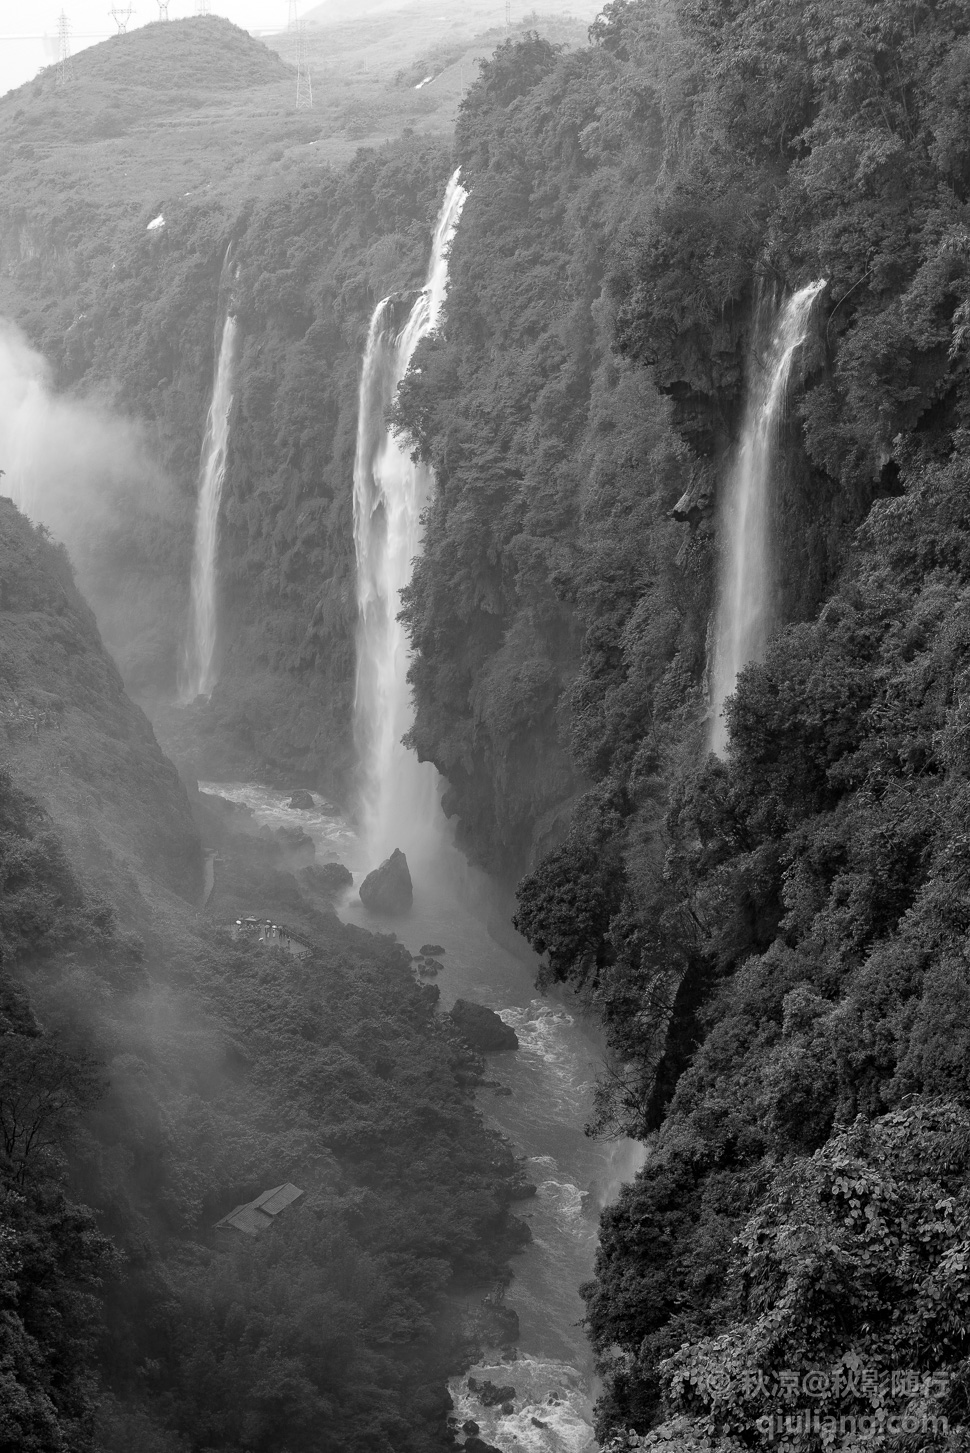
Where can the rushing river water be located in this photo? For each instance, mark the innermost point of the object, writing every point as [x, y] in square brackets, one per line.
[551, 1080]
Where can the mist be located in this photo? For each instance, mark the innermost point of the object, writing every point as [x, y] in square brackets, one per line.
[88, 475]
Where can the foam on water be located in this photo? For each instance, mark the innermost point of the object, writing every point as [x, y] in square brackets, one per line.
[548, 1393]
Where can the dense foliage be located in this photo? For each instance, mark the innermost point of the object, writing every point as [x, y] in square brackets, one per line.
[774, 941]
[152, 1080]
[144, 1095]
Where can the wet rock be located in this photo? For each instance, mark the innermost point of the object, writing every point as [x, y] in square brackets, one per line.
[482, 1028]
[538, 1423]
[431, 948]
[503, 1090]
[327, 878]
[489, 1395]
[301, 801]
[506, 1409]
[470, 1426]
[478, 1445]
[388, 889]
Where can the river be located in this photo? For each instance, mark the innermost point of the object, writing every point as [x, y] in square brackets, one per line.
[551, 1079]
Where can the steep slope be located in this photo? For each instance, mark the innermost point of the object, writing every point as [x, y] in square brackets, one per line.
[775, 941]
[73, 739]
[150, 1081]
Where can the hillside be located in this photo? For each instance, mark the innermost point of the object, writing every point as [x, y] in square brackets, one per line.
[773, 939]
[155, 1074]
[74, 741]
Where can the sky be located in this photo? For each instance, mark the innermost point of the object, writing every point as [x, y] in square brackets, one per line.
[25, 23]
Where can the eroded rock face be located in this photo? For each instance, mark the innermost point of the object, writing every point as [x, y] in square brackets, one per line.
[388, 889]
[483, 1028]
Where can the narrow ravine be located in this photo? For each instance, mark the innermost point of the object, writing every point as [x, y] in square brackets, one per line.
[551, 1080]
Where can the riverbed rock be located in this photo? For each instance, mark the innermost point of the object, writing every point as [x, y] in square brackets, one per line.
[431, 948]
[489, 1395]
[388, 889]
[301, 801]
[470, 1426]
[478, 1445]
[483, 1028]
[327, 878]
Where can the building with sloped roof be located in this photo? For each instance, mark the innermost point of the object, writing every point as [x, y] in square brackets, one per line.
[255, 1216]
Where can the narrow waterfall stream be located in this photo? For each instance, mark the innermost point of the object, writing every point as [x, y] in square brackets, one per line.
[197, 671]
[399, 795]
[747, 580]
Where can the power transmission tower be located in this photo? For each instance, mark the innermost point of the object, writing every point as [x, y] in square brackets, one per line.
[65, 65]
[508, 17]
[304, 86]
[293, 20]
[203, 7]
[121, 14]
[163, 9]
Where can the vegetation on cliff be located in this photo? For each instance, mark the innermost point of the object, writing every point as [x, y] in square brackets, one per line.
[774, 941]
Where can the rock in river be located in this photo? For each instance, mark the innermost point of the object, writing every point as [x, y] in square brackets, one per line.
[481, 1027]
[388, 888]
[301, 800]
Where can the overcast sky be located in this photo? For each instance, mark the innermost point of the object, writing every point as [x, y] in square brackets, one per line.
[24, 23]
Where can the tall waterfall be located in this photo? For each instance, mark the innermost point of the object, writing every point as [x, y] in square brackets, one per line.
[747, 580]
[398, 793]
[197, 674]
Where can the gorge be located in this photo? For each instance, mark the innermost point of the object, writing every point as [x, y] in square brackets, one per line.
[673, 625]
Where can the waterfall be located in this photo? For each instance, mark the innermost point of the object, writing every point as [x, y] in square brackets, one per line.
[399, 805]
[197, 675]
[747, 583]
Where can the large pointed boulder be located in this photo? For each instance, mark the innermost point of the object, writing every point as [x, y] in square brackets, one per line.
[388, 889]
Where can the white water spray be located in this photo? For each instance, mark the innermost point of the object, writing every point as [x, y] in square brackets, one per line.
[398, 793]
[197, 674]
[747, 585]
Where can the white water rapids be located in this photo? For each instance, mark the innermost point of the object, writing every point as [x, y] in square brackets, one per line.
[197, 669]
[747, 584]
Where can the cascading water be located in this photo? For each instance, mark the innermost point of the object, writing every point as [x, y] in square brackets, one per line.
[197, 675]
[398, 793]
[747, 585]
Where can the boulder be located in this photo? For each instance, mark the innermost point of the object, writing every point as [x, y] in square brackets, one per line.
[301, 801]
[327, 878]
[478, 1445]
[431, 948]
[481, 1027]
[388, 889]
[470, 1426]
[489, 1395]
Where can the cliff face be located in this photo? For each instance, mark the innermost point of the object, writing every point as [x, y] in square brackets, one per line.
[73, 739]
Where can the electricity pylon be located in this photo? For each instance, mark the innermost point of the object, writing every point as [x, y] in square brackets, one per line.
[508, 17]
[293, 19]
[65, 65]
[304, 86]
[121, 14]
[203, 7]
[163, 9]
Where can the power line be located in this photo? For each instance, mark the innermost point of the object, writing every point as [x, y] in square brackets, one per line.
[65, 65]
[304, 86]
[121, 14]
